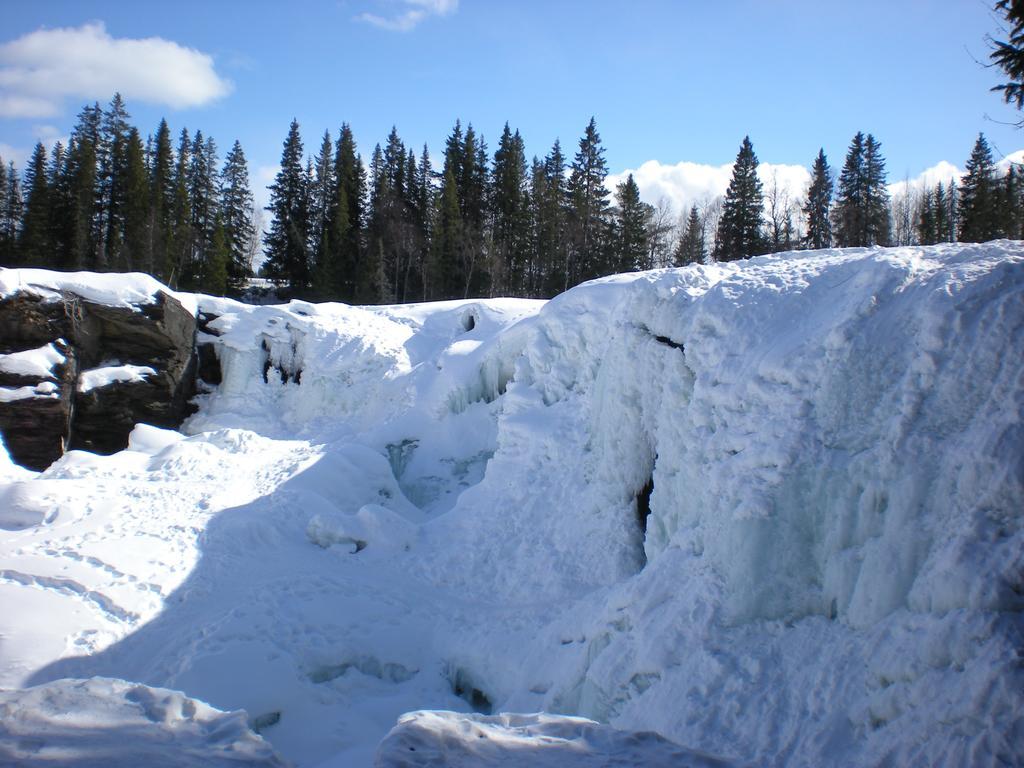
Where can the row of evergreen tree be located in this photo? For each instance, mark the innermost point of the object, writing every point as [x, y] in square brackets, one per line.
[402, 231]
[110, 201]
[397, 230]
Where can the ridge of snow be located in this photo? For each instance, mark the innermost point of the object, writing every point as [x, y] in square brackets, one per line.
[38, 363]
[115, 373]
[116, 289]
[829, 573]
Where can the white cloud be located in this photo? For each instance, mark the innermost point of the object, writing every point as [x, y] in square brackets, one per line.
[39, 70]
[409, 13]
[15, 155]
[685, 184]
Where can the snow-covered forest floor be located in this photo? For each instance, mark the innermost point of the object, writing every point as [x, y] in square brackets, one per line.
[440, 506]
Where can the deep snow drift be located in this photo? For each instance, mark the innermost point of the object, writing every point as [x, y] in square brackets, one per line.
[770, 510]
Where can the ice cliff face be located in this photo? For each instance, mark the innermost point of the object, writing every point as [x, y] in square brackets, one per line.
[770, 509]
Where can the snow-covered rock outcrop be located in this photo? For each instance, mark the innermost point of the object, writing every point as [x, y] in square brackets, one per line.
[102, 723]
[84, 357]
[772, 510]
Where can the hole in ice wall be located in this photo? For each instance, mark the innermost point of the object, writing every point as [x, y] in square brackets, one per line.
[643, 504]
[400, 454]
[643, 511]
[469, 322]
[260, 723]
[466, 689]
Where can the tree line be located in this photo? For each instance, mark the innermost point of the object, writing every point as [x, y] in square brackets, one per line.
[401, 228]
[111, 201]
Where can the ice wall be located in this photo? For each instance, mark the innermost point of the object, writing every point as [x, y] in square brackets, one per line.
[831, 570]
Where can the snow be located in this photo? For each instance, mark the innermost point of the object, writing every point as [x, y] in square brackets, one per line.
[112, 373]
[44, 389]
[113, 289]
[102, 722]
[387, 510]
[38, 363]
[458, 740]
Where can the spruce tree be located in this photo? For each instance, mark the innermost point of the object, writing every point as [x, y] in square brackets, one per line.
[943, 227]
[862, 206]
[161, 201]
[926, 224]
[510, 201]
[10, 217]
[1008, 54]
[348, 215]
[691, 248]
[740, 228]
[323, 196]
[877, 194]
[817, 209]
[236, 218]
[179, 251]
[6, 240]
[34, 239]
[1011, 202]
[112, 157]
[554, 238]
[979, 196]
[631, 238]
[135, 253]
[473, 184]
[588, 212]
[287, 241]
[447, 280]
[215, 274]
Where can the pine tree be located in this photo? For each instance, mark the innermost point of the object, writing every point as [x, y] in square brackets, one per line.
[447, 280]
[161, 202]
[944, 229]
[135, 253]
[926, 224]
[691, 248]
[215, 274]
[112, 154]
[287, 242]
[323, 196]
[1011, 202]
[553, 225]
[510, 212]
[6, 241]
[179, 251]
[1009, 54]
[588, 213]
[348, 215]
[10, 218]
[979, 196]
[34, 248]
[877, 194]
[862, 207]
[818, 206]
[473, 192]
[740, 228]
[203, 183]
[630, 227]
[236, 218]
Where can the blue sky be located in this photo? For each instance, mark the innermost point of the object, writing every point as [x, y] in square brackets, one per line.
[667, 81]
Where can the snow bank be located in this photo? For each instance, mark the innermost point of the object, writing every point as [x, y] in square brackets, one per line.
[109, 723]
[457, 740]
[112, 289]
[105, 375]
[770, 510]
[37, 363]
[47, 389]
